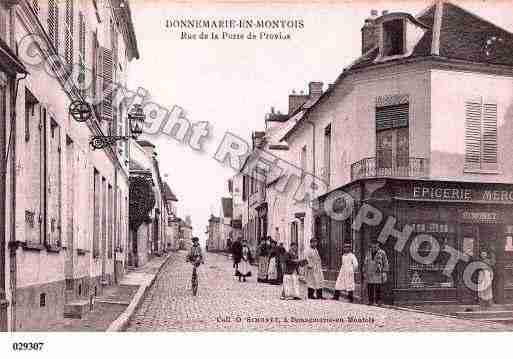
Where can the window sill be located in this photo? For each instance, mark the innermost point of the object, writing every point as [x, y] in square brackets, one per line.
[82, 252]
[33, 246]
[51, 248]
[483, 172]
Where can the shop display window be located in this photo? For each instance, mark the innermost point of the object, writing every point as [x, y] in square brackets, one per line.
[416, 275]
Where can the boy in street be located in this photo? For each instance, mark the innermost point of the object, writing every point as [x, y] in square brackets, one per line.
[314, 275]
[375, 271]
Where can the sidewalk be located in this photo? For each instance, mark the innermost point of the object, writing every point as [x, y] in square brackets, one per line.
[113, 309]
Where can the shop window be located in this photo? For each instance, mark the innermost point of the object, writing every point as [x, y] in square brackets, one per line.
[416, 275]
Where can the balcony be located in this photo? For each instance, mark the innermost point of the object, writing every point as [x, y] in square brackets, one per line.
[407, 167]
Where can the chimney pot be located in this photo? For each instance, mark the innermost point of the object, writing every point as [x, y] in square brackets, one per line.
[315, 89]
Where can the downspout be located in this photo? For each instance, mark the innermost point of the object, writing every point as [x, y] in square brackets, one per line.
[312, 232]
[12, 224]
[115, 230]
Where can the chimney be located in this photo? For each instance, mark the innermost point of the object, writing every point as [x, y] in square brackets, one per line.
[296, 101]
[370, 32]
[258, 139]
[315, 89]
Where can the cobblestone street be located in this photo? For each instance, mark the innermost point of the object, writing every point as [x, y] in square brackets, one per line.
[224, 304]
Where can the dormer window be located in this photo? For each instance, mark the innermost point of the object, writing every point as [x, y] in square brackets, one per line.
[393, 37]
[397, 36]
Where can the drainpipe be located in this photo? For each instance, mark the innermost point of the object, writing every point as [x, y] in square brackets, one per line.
[115, 225]
[13, 86]
[311, 123]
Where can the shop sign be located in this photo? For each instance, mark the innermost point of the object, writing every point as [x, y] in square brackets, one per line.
[460, 194]
[479, 217]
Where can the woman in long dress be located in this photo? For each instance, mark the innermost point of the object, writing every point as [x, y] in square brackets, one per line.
[244, 267]
[345, 281]
[485, 280]
[291, 264]
[263, 261]
[274, 264]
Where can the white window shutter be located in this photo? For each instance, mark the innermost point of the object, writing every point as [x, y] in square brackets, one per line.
[473, 133]
[489, 135]
[107, 85]
[481, 134]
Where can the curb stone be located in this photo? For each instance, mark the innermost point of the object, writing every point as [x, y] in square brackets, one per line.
[123, 319]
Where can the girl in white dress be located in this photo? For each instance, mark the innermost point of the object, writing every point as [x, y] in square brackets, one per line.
[345, 280]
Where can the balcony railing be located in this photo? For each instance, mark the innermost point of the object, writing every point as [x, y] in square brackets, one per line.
[407, 167]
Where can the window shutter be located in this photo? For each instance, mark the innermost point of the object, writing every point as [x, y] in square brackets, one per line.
[68, 54]
[489, 133]
[35, 6]
[473, 132]
[480, 134]
[107, 78]
[393, 116]
[53, 23]
[82, 52]
[3, 24]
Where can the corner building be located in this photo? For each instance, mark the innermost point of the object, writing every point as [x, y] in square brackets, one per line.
[419, 127]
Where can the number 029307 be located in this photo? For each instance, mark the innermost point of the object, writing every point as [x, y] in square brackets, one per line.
[27, 346]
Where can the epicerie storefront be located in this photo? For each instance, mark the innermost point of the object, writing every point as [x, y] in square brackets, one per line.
[467, 217]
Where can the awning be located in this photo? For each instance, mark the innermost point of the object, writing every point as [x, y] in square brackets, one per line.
[9, 62]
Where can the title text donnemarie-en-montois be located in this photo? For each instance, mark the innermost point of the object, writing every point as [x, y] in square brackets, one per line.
[226, 29]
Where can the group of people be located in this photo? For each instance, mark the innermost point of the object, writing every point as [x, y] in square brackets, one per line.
[278, 266]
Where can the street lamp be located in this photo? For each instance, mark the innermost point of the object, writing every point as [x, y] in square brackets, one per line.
[136, 119]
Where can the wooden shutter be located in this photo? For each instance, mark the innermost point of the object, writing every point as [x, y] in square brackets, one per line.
[480, 134]
[473, 133]
[489, 134]
[35, 6]
[82, 52]
[68, 53]
[394, 116]
[3, 24]
[53, 23]
[107, 78]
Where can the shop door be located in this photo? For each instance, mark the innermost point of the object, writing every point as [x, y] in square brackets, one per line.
[475, 239]
[392, 152]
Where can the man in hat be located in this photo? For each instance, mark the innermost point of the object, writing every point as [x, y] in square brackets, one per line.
[195, 255]
[375, 271]
[236, 249]
[314, 275]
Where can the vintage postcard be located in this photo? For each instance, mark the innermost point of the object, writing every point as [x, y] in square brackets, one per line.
[255, 166]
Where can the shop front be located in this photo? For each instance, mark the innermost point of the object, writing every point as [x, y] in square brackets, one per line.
[462, 219]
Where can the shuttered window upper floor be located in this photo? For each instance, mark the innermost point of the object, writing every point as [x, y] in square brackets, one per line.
[481, 135]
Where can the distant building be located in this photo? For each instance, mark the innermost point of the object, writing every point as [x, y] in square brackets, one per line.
[214, 234]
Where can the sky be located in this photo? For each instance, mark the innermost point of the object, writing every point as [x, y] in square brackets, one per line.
[232, 84]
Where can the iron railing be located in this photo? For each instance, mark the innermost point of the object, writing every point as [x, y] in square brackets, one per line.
[406, 167]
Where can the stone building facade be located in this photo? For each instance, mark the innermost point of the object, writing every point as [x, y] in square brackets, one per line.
[392, 134]
[66, 204]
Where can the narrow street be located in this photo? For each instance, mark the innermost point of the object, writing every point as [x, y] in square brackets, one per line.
[224, 304]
